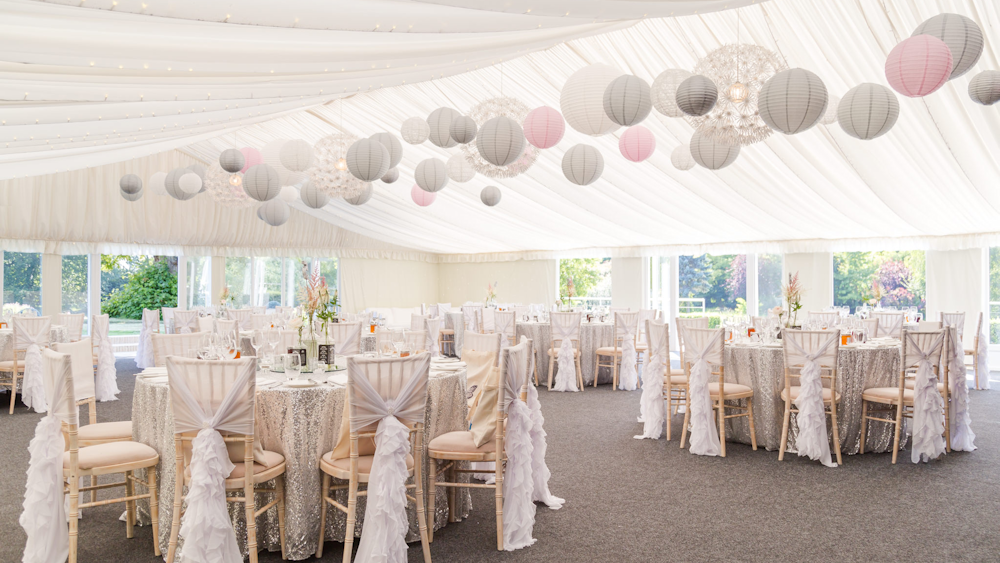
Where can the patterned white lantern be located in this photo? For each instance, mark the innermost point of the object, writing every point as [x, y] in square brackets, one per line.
[157, 182]
[391, 176]
[500, 141]
[190, 183]
[792, 101]
[297, 155]
[868, 111]
[431, 175]
[368, 160]
[962, 36]
[415, 130]
[134, 196]
[274, 212]
[313, 197]
[830, 115]
[261, 182]
[172, 186]
[363, 197]
[710, 154]
[463, 129]
[459, 169]
[627, 100]
[582, 164]
[582, 99]
[391, 144]
[271, 156]
[288, 194]
[663, 92]
[681, 158]
[130, 184]
[440, 126]
[232, 160]
[490, 195]
[985, 87]
[697, 95]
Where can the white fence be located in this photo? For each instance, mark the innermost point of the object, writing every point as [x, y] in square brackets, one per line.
[125, 344]
[689, 305]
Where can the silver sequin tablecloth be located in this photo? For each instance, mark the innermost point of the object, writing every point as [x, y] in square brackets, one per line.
[859, 368]
[302, 425]
[592, 337]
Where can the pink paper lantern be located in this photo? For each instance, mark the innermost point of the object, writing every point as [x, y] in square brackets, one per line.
[420, 197]
[544, 127]
[918, 66]
[252, 157]
[637, 143]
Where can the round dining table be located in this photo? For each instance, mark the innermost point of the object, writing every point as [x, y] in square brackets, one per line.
[593, 335]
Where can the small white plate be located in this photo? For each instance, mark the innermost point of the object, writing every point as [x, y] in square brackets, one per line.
[300, 383]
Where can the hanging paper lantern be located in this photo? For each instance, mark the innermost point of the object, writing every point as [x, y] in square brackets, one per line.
[415, 130]
[463, 129]
[391, 144]
[582, 99]
[199, 170]
[274, 212]
[459, 169]
[231, 160]
[663, 92]
[297, 155]
[130, 184]
[637, 143]
[681, 158]
[133, 196]
[626, 100]
[440, 126]
[391, 176]
[313, 197]
[582, 164]
[363, 197]
[868, 111]
[328, 175]
[251, 157]
[918, 66]
[490, 195]
[421, 197]
[173, 187]
[157, 182]
[367, 160]
[288, 194]
[261, 183]
[792, 101]
[500, 141]
[830, 115]
[190, 183]
[710, 154]
[431, 175]
[544, 127]
[985, 87]
[961, 34]
[696, 95]
[271, 155]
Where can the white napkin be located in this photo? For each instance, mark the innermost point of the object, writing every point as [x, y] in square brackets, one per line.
[338, 379]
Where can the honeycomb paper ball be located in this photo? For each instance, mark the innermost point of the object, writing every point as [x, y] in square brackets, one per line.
[792, 101]
[627, 101]
[415, 130]
[544, 127]
[918, 66]
[830, 116]
[459, 169]
[663, 92]
[867, 111]
[421, 197]
[582, 164]
[637, 143]
[190, 183]
[962, 36]
[297, 155]
[681, 157]
[157, 182]
[288, 194]
[582, 99]
[710, 154]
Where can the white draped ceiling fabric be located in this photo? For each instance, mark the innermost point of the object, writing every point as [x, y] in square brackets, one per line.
[931, 182]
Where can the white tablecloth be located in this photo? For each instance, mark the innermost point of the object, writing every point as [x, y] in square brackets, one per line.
[592, 337]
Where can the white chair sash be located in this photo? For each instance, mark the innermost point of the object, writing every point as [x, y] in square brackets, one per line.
[518, 482]
[347, 338]
[472, 316]
[433, 328]
[106, 382]
[489, 323]
[32, 334]
[962, 437]
[504, 321]
[889, 323]
[565, 327]
[242, 318]
[812, 439]
[704, 432]
[928, 405]
[74, 325]
[539, 445]
[186, 321]
[144, 351]
[651, 402]
[443, 308]
[628, 377]
[260, 321]
[983, 358]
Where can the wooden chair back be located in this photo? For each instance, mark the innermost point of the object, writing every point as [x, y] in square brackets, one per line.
[933, 344]
[473, 317]
[708, 344]
[829, 317]
[564, 325]
[242, 318]
[346, 337]
[890, 323]
[484, 343]
[956, 320]
[658, 337]
[173, 345]
[73, 324]
[797, 345]
[506, 325]
[82, 363]
[924, 326]
[185, 321]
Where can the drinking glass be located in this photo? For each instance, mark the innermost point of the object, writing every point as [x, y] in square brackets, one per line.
[256, 342]
[229, 347]
[293, 366]
[273, 338]
[398, 340]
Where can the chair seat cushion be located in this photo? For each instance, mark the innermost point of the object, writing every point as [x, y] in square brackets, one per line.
[969, 352]
[113, 453]
[364, 463]
[796, 391]
[676, 371]
[609, 351]
[460, 441]
[8, 365]
[105, 432]
[556, 352]
[273, 461]
[447, 331]
[733, 390]
[641, 347]
[677, 380]
[889, 395]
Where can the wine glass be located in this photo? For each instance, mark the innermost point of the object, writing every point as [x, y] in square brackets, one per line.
[256, 342]
[398, 340]
[273, 338]
[229, 347]
[293, 366]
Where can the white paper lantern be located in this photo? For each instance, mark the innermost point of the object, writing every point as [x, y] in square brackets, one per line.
[368, 160]
[792, 101]
[157, 183]
[627, 101]
[681, 158]
[415, 130]
[134, 196]
[190, 183]
[431, 175]
[391, 176]
[288, 194]
[313, 197]
[173, 187]
[500, 141]
[490, 195]
[261, 182]
[697, 95]
[663, 92]
[440, 126]
[297, 155]
[130, 184]
[363, 197]
[582, 164]
[582, 99]
[463, 129]
[830, 115]
[274, 212]
[199, 170]
[710, 154]
[868, 111]
[271, 156]
[232, 160]
[391, 144]
[962, 36]
[459, 169]
[985, 87]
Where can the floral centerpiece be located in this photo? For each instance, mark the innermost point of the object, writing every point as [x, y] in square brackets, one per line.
[491, 293]
[226, 299]
[567, 300]
[314, 297]
[328, 312]
[876, 295]
[793, 298]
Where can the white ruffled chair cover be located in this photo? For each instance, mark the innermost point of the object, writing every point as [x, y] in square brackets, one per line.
[890, 323]
[962, 436]
[391, 392]
[209, 397]
[626, 325]
[32, 334]
[518, 481]
[565, 328]
[983, 358]
[106, 386]
[242, 318]
[186, 321]
[702, 348]
[433, 328]
[923, 350]
[505, 325]
[346, 338]
[539, 468]
[651, 412]
[144, 351]
[73, 323]
[811, 351]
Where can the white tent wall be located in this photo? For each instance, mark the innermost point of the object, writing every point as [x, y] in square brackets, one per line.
[629, 287]
[815, 271]
[956, 281]
[368, 283]
[520, 281]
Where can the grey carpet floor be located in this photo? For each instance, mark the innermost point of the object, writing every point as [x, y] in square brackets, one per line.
[640, 500]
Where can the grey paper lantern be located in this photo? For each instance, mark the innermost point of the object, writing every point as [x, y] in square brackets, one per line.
[985, 87]
[190, 183]
[415, 130]
[663, 92]
[261, 182]
[274, 212]
[431, 175]
[391, 144]
[868, 111]
[500, 141]
[696, 95]
[463, 129]
[582, 99]
[367, 160]
[199, 170]
[459, 169]
[259, 214]
[681, 158]
[830, 116]
[313, 197]
[391, 176]
[962, 36]
[792, 101]
[131, 196]
[157, 183]
[439, 122]
[490, 195]
[172, 186]
[363, 197]
[710, 154]
[582, 164]
[232, 160]
[297, 155]
[130, 184]
[627, 101]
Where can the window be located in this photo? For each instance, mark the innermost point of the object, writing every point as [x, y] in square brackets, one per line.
[659, 283]
[768, 282]
[199, 282]
[22, 281]
[994, 312]
[712, 285]
[300, 269]
[585, 282]
[238, 280]
[889, 278]
[75, 294]
[268, 274]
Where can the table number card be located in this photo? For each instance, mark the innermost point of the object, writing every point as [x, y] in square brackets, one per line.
[326, 354]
